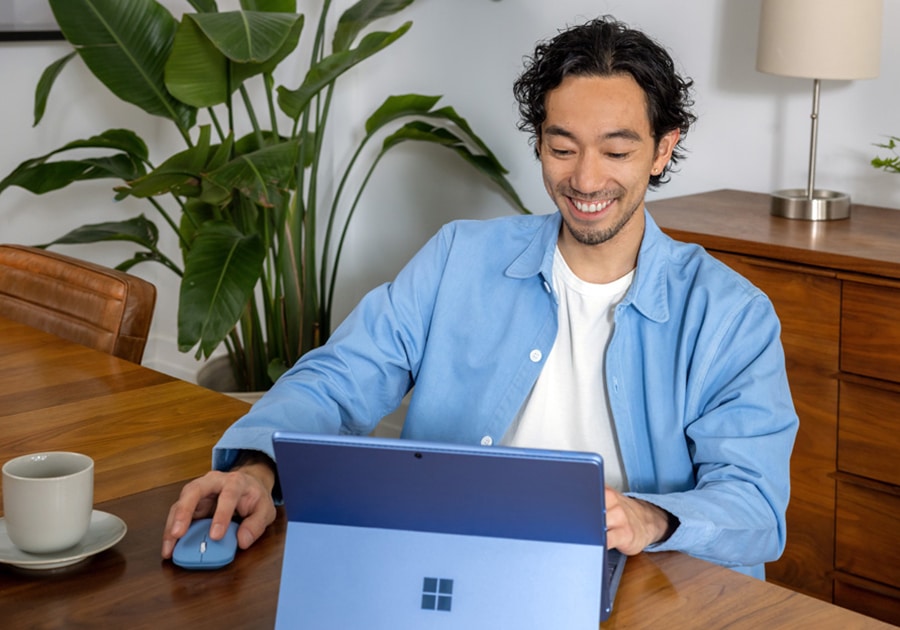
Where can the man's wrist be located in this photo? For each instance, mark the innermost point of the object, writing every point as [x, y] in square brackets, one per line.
[663, 522]
[259, 465]
[672, 524]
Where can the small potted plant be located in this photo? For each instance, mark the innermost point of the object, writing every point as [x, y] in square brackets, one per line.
[889, 164]
[255, 272]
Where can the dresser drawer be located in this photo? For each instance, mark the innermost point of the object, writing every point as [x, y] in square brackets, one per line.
[870, 330]
[869, 598]
[869, 432]
[867, 532]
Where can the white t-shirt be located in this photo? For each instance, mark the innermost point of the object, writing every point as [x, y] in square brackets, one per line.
[568, 407]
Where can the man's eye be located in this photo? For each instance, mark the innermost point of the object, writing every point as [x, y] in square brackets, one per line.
[560, 152]
[617, 156]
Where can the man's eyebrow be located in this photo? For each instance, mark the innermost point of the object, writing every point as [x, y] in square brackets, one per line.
[624, 134]
[556, 130]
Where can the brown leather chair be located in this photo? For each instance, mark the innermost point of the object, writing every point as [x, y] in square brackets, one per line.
[80, 301]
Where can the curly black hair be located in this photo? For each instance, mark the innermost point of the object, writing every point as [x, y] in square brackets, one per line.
[607, 47]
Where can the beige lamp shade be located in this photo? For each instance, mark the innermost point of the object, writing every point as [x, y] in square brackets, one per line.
[820, 39]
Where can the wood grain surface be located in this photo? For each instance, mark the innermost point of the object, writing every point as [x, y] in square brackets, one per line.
[142, 428]
[148, 433]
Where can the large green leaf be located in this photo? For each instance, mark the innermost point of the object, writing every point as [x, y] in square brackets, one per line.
[448, 113]
[401, 106]
[195, 213]
[204, 6]
[251, 141]
[39, 175]
[416, 105]
[123, 140]
[180, 174]
[196, 72]
[359, 16]
[244, 71]
[43, 178]
[138, 230]
[487, 165]
[293, 102]
[125, 45]
[210, 173]
[395, 107]
[214, 53]
[246, 36]
[275, 6]
[45, 83]
[221, 271]
[259, 175]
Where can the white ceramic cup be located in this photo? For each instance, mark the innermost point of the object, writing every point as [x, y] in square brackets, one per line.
[47, 500]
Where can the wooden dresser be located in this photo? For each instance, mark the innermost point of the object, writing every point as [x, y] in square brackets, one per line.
[836, 288]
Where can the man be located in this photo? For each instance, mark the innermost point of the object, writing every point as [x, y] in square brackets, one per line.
[585, 329]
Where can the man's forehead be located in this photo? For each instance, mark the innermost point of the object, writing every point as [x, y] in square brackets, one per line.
[604, 107]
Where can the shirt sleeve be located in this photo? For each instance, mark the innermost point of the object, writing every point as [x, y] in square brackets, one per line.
[739, 428]
[359, 376]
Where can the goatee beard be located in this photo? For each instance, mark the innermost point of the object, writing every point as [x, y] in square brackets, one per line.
[597, 236]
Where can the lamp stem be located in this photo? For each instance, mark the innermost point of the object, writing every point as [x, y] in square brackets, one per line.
[813, 141]
[810, 204]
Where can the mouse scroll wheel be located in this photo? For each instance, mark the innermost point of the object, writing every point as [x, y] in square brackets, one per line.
[203, 547]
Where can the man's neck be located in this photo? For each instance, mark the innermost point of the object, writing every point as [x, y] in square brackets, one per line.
[605, 262]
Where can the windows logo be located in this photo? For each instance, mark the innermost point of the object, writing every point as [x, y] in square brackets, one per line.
[437, 594]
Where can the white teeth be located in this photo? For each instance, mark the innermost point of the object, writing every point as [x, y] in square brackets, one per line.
[591, 207]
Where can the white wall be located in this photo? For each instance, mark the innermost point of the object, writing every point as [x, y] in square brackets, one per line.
[752, 134]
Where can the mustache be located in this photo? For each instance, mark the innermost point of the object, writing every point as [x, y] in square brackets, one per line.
[607, 194]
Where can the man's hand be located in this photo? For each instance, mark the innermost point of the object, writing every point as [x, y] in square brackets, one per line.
[632, 524]
[246, 491]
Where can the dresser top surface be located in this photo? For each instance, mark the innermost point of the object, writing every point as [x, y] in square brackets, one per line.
[740, 222]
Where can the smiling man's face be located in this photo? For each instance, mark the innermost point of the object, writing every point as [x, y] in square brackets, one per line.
[597, 153]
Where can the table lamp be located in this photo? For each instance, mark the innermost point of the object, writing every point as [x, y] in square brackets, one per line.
[818, 39]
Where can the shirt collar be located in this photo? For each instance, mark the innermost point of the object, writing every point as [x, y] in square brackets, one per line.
[648, 292]
[537, 257]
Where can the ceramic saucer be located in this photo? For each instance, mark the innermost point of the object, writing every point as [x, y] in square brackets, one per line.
[104, 531]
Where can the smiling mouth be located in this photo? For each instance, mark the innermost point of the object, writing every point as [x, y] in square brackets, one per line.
[591, 207]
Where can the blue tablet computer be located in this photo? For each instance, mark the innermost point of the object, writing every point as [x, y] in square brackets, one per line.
[386, 533]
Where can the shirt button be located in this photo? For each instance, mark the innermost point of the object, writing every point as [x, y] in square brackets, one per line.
[487, 440]
[536, 356]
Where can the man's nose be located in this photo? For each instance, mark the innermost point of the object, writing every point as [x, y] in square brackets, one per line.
[589, 174]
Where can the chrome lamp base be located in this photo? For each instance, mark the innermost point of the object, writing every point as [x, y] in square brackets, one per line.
[824, 205]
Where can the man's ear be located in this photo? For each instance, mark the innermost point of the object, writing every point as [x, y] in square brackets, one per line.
[664, 149]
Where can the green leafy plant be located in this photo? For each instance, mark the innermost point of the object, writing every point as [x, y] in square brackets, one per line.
[890, 164]
[257, 268]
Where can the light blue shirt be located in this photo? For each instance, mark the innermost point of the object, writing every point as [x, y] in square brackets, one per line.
[695, 375]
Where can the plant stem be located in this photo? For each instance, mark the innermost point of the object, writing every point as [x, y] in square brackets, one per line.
[215, 121]
[326, 246]
[340, 247]
[273, 116]
[168, 219]
[251, 114]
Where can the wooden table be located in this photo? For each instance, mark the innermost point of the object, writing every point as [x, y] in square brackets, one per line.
[148, 433]
[143, 428]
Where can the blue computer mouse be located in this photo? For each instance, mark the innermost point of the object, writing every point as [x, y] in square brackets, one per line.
[196, 550]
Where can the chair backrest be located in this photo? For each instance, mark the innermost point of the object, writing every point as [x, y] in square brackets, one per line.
[80, 301]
